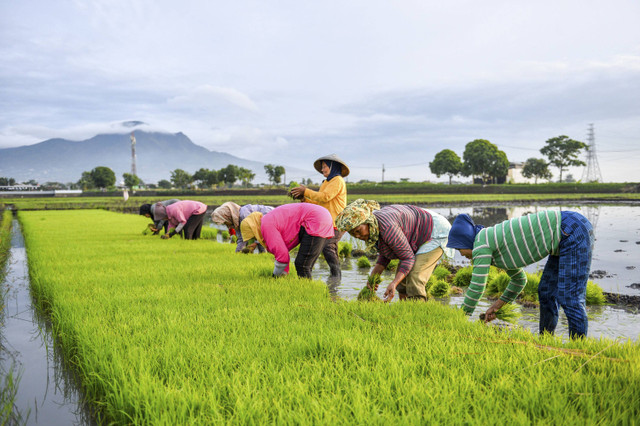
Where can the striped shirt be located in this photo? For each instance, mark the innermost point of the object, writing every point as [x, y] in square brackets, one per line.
[512, 245]
[402, 230]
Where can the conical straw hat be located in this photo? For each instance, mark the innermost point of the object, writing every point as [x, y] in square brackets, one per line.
[333, 157]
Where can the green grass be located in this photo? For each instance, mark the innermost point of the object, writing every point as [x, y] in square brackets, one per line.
[187, 332]
[363, 262]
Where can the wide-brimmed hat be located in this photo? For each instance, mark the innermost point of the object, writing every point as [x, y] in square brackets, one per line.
[318, 164]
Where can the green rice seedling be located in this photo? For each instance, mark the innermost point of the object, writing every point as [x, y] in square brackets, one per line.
[463, 277]
[393, 265]
[498, 284]
[225, 235]
[508, 312]
[440, 288]
[441, 272]
[595, 295]
[368, 292]
[187, 332]
[234, 239]
[292, 184]
[344, 249]
[530, 292]
[363, 262]
[209, 233]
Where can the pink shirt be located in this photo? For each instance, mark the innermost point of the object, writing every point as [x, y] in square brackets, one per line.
[281, 226]
[178, 213]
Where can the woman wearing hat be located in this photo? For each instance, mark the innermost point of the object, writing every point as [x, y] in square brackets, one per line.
[284, 228]
[411, 234]
[565, 237]
[184, 217]
[332, 195]
[231, 215]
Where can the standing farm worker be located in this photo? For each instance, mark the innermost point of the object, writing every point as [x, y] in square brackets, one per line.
[184, 217]
[284, 228]
[565, 237]
[231, 215]
[414, 236]
[332, 195]
[148, 210]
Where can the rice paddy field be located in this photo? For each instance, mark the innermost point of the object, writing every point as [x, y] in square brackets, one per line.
[189, 332]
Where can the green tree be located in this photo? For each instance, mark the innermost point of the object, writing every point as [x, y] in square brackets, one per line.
[4, 181]
[245, 176]
[446, 162]
[164, 184]
[103, 177]
[181, 179]
[274, 173]
[483, 159]
[229, 174]
[563, 152]
[130, 180]
[536, 168]
[206, 178]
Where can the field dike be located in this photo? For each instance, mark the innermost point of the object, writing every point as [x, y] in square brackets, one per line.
[188, 332]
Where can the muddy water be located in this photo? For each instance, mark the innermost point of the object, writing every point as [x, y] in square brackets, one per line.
[46, 392]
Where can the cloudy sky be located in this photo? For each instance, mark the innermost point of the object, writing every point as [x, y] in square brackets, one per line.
[377, 82]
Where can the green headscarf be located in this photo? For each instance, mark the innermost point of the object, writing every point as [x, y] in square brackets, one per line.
[357, 213]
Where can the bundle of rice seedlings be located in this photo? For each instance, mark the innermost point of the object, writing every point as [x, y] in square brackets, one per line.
[368, 293]
[463, 277]
[508, 313]
[393, 264]
[209, 233]
[440, 288]
[292, 184]
[225, 235]
[441, 272]
[594, 294]
[530, 291]
[234, 239]
[363, 262]
[344, 249]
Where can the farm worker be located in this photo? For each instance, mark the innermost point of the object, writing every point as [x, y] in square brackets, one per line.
[415, 236]
[231, 215]
[287, 226]
[565, 237]
[331, 195]
[148, 210]
[184, 217]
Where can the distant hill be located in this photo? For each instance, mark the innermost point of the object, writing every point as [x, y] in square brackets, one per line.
[62, 160]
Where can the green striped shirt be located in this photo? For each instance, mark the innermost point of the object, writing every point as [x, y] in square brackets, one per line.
[512, 245]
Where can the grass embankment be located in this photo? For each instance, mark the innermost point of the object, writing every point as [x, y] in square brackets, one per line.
[188, 332]
[133, 203]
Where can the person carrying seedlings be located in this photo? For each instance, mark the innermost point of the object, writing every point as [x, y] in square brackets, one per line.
[566, 238]
[148, 210]
[231, 215]
[331, 195]
[284, 228]
[184, 217]
[404, 232]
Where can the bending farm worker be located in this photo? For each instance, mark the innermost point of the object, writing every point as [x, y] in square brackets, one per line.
[331, 195]
[184, 216]
[148, 210]
[284, 228]
[565, 237]
[231, 215]
[414, 236]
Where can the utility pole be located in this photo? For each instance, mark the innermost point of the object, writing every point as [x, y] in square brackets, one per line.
[591, 173]
[133, 155]
[383, 173]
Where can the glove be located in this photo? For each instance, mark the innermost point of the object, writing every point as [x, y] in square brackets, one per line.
[279, 268]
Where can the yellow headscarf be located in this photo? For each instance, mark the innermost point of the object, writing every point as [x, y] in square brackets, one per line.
[250, 227]
[227, 213]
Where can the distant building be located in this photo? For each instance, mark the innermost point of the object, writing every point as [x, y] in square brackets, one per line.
[514, 175]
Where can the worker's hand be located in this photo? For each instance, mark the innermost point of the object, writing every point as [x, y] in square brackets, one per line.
[490, 315]
[165, 236]
[298, 192]
[390, 292]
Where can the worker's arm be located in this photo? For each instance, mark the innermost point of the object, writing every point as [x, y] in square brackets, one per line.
[481, 260]
[331, 190]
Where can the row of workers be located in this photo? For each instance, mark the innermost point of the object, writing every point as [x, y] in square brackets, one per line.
[418, 238]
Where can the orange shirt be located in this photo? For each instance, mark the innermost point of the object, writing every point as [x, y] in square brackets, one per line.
[332, 195]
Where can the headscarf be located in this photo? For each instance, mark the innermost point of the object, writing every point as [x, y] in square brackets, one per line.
[250, 227]
[357, 213]
[145, 209]
[228, 212]
[159, 212]
[463, 232]
[335, 169]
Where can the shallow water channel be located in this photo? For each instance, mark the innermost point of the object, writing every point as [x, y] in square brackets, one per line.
[45, 392]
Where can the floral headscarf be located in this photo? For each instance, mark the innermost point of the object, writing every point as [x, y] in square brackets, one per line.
[227, 213]
[250, 227]
[357, 213]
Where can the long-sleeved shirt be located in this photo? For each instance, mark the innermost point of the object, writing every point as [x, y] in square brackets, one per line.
[402, 230]
[178, 213]
[245, 211]
[332, 195]
[159, 223]
[512, 245]
[280, 228]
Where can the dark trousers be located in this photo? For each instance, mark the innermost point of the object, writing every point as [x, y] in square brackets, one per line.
[564, 279]
[193, 227]
[330, 252]
[308, 252]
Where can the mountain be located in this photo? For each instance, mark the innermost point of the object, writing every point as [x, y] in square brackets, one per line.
[157, 154]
